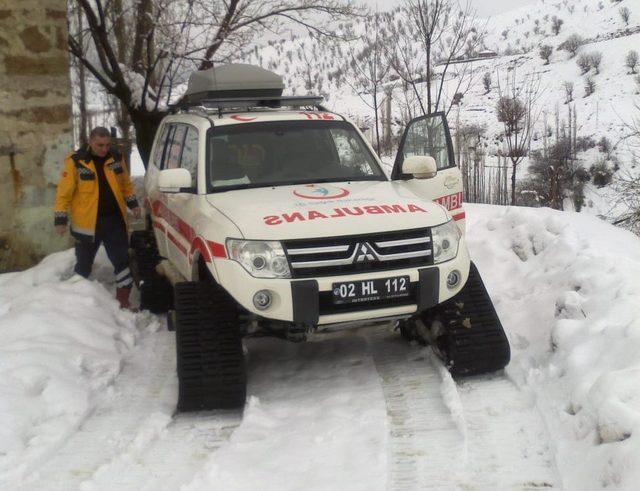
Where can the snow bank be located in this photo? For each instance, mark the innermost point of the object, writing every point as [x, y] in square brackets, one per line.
[567, 287]
[62, 344]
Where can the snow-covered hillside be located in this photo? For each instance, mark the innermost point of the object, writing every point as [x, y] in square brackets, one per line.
[516, 37]
[87, 392]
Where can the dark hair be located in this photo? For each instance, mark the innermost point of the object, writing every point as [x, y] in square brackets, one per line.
[100, 131]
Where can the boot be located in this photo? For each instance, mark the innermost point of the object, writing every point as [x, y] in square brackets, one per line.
[122, 296]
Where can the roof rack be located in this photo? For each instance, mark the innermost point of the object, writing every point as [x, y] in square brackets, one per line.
[248, 103]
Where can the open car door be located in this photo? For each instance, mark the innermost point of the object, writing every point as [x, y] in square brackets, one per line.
[429, 136]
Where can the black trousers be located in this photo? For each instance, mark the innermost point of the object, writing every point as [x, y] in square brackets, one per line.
[110, 231]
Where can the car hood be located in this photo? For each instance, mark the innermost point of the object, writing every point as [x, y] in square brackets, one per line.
[326, 210]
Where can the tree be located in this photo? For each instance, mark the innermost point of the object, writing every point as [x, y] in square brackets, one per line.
[632, 60]
[486, 82]
[584, 63]
[545, 53]
[568, 92]
[140, 51]
[572, 44]
[625, 13]
[595, 59]
[589, 86]
[443, 34]
[556, 25]
[517, 111]
[369, 70]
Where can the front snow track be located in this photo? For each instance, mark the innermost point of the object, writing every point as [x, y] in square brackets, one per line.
[356, 410]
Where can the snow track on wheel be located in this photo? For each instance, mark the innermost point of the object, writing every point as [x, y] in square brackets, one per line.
[477, 433]
[132, 441]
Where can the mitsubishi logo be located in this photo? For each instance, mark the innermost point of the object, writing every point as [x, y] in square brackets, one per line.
[364, 253]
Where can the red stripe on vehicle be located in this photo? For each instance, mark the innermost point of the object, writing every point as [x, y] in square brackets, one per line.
[459, 216]
[217, 249]
[199, 246]
[177, 243]
[159, 226]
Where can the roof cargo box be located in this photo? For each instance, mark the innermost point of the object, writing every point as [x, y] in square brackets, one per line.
[233, 81]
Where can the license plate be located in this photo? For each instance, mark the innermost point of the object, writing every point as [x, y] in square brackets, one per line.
[370, 290]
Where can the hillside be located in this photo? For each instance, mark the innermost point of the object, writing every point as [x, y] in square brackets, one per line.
[310, 65]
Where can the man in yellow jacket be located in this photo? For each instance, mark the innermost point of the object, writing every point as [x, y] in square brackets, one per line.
[93, 194]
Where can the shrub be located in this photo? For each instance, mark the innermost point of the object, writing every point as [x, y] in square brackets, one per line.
[556, 25]
[572, 44]
[589, 86]
[568, 92]
[632, 60]
[545, 53]
[486, 82]
[604, 145]
[584, 143]
[583, 63]
[625, 14]
[601, 174]
[595, 58]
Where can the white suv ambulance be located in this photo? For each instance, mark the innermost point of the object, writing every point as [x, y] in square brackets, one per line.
[271, 215]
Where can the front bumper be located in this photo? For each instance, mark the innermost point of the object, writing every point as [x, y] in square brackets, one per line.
[309, 301]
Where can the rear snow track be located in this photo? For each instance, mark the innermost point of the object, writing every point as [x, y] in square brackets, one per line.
[359, 410]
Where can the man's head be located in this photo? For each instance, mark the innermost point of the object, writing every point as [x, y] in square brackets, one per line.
[99, 141]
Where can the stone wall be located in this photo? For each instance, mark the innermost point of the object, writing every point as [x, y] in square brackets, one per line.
[35, 126]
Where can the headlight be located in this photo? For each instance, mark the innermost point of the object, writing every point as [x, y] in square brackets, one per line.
[445, 241]
[262, 259]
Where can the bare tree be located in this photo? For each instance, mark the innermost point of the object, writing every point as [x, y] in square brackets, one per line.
[589, 86]
[486, 82]
[556, 25]
[625, 13]
[572, 44]
[444, 35]
[368, 69]
[595, 59]
[517, 111]
[631, 60]
[545, 53]
[167, 38]
[568, 92]
[584, 63]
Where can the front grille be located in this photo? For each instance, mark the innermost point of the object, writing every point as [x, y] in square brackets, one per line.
[359, 253]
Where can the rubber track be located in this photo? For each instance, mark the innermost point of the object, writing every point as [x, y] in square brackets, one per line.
[156, 292]
[475, 342]
[210, 358]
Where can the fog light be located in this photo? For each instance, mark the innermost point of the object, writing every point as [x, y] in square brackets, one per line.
[262, 299]
[453, 279]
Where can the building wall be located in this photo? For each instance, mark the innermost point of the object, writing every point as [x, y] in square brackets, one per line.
[35, 126]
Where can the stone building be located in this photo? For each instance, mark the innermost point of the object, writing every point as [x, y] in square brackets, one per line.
[35, 126]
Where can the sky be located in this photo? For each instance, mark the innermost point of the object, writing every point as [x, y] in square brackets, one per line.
[485, 8]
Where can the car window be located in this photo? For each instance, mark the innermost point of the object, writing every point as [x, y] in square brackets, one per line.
[288, 152]
[428, 136]
[190, 154]
[172, 159]
[160, 147]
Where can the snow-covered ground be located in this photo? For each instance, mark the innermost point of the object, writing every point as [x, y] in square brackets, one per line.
[87, 392]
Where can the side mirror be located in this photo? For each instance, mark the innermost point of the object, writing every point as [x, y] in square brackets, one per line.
[420, 166]
[174, 180]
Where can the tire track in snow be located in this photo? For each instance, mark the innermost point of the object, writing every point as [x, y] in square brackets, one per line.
[132, 441]
[479, 433]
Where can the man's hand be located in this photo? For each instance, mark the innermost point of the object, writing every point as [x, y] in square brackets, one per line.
[136, 212]
[61, 229]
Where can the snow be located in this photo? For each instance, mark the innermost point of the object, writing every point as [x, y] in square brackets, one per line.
[62, 344]
[87, 391]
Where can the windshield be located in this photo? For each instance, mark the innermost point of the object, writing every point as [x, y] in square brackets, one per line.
[287, 152]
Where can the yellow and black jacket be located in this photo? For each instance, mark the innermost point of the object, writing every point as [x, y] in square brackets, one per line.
[78, 191]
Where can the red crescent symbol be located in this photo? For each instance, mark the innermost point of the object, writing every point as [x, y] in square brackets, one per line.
[240, 118]
[342, 194]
